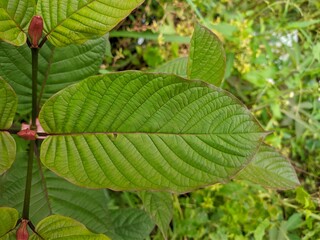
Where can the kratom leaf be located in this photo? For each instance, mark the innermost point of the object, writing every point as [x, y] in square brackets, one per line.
[74, 22]
[59, 67]
[270, 169]
[207, 59]
[177, 66]
[8, 220]
[159, 205]
[142, 131]
[8, 105]
[53, 195]
[133, 224]
[7, 151]
[15, 15]
[64, 228]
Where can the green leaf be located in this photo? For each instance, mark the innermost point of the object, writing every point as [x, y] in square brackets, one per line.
[133, 224]
[59, 67]
[7, 151]
[207, 59]
[74, 22]
[159, 205]
[15, 15]
[64, 228]
[177, 66]
[142, 131]
[8, 220]
[270, 169]
[8, 104]
[53, 195]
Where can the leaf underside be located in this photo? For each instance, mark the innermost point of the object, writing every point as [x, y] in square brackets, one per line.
[78, 21]
[59, 67]
[270, 169]
[138, 131]
[8, 220]
[15, 15]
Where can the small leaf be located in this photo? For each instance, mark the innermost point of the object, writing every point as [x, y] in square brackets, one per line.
[8, 220]
[59, 67]
[8, 104]
[270, 169]
[207, 59]
[142, 131]
[15, 15]
[79, 21]
[133, 224]
[7, 151]
[177, 66]
[159, 205]
[64, 228]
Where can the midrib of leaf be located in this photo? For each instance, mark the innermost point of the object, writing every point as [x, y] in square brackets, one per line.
[46, 75]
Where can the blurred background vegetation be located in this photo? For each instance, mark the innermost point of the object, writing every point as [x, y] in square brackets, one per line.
[273, 66]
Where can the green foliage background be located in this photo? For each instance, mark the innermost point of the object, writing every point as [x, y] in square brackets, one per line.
[273, 66]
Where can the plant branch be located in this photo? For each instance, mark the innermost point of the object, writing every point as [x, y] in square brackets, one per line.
[26, 202]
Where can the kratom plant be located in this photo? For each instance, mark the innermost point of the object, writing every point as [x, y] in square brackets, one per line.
[150, 133]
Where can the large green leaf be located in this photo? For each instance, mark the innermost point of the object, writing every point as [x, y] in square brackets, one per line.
[159, 205]
[270, 169]
[133, 224]
[59, 67]
[8, 104]
[74, 22]
[64, 228]
[8, 220]
[207, 59]
[140, 131]
[15, 15]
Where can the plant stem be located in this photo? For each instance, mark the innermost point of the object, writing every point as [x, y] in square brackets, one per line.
[27, 193]
[26, 202]
[35, 53]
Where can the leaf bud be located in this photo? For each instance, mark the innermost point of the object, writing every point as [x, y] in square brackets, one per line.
[35, 30]
[22, 232]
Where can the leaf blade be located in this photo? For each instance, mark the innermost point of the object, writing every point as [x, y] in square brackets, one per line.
[7, 150]
[15, 16]
[60, 227]
[270, 169]
[8, 219]
[80, 21]
[118, 145]
[159, 205]
[207, 59]
[8, 104]
[59, 67]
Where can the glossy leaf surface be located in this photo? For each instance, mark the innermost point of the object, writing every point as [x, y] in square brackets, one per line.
[15, 15]
[207, 59]
[74, 22]
[8, 220]
[59, 67]
[138, 131]
[270, 169]
[64, 228]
